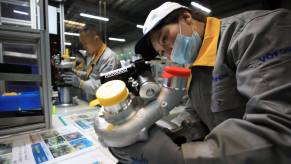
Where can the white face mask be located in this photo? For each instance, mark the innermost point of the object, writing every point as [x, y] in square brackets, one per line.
[186, 48]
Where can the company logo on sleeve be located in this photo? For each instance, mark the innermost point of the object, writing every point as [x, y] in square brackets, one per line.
[275, 53]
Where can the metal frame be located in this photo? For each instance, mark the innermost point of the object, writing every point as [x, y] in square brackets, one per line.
[21, 55]
[26, 38]
[7, 132]
[46, 61]
[1, 53]
[40, 37]
[0, 14]
[15, 21]
[33, 10]
[62, 28]
[21, 34]
[15, 2]
[33, 21]
[20, 77]
[2, 86]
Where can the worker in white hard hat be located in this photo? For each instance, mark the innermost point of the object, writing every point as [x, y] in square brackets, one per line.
[240, 90]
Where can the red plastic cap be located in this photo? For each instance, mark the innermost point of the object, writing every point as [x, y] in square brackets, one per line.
[170, 71]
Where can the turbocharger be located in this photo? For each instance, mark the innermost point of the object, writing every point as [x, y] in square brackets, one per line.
[125, 119]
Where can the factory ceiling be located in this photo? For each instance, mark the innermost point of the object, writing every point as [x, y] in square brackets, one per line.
[124, 15]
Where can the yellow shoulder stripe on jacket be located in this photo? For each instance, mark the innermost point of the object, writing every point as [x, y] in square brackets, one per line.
[207, 52]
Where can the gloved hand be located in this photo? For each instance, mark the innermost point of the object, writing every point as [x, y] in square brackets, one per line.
[72, 79]
[159, 148]
[81, 74]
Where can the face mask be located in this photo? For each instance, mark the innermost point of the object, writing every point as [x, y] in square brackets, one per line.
[185, 48]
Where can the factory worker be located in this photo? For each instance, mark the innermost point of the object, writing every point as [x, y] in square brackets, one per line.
[240, 90]
[99, 59]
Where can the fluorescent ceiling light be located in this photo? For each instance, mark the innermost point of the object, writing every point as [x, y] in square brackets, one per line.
[20, 12]
[205, 9]
[94, 17]
[71, 33]
[139, 26]
[116, 39]
[74, 23]
[68, 44]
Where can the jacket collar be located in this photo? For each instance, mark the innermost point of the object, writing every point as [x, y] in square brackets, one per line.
[207, 52]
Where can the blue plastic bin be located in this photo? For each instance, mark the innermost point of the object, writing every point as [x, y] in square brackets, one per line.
[24, 102]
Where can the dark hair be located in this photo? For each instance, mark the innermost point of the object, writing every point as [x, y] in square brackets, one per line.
[173, 17]
[91, 30]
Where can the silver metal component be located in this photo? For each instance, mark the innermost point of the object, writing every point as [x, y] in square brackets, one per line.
[65, 96]
[130, 80]
[2, 83]
[65, 92]
[149, 90]
[176, 82]
[129, 132]
[33, 14]
[134, 84]
[62, 28]
[164, 104]
[65, 65]
[135, 127]
[120, 112]
[115, 109]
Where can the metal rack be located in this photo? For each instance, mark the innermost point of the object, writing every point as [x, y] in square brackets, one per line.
[33, 32]
[34, 11]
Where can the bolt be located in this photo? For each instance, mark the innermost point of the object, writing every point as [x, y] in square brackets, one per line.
[164, 104]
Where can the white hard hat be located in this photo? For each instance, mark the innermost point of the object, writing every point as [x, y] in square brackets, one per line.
[143, 46]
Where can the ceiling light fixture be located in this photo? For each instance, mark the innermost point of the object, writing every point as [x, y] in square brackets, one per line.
[201, 7]
[20, 12]
[94, 17]
[74, 23]
[68, 44]
[116, 39]
[139, 26]
[71, 34]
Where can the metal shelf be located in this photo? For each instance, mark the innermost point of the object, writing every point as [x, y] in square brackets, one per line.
[38, 36]
[15, 2]
[15, 21]
[20, 77]
[32, 36]
[4, 133]
[19, 55]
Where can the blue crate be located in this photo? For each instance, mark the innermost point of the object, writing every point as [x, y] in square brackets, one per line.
[24, 102]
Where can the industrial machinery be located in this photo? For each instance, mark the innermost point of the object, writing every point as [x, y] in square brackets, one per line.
[125, 118]
[137, 77]
[64, 90]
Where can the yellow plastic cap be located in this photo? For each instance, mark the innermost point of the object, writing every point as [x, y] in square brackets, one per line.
[112, 93]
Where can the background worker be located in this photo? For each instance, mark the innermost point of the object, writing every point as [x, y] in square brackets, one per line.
[99, 59]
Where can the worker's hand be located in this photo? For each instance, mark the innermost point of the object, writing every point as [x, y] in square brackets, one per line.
[81, 74]
[72, 79]
[159, 148]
